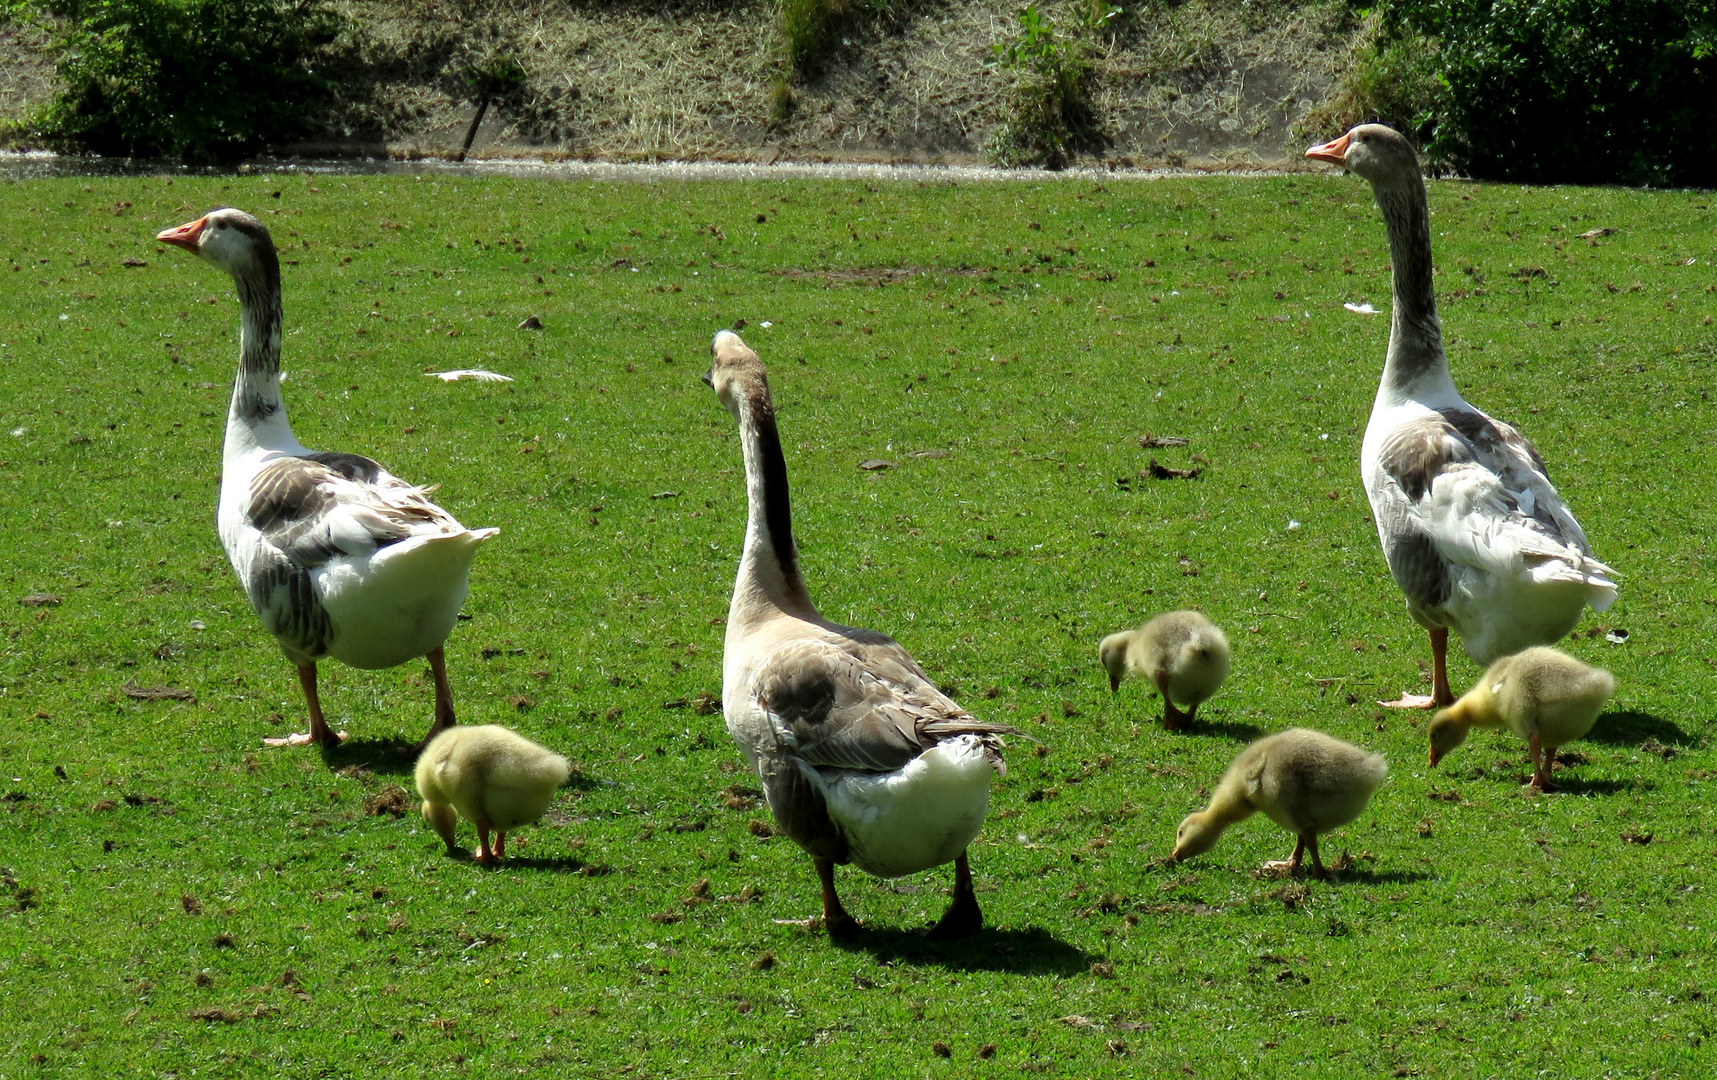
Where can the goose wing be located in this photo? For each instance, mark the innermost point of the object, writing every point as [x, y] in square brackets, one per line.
[312, 509]
[1468, 490]
[855, 700]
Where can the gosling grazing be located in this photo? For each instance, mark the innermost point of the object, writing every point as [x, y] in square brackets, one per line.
[1544, 696]
[495, 778]
[1182, 653]
[1303, 780]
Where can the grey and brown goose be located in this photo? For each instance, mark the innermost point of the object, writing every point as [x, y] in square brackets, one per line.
[339, 558]
[862, 759]
[1472, 529]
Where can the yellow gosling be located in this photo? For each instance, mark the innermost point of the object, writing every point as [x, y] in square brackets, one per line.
[494, 778]
[1303, 780]
[1182, 653]
[1542, 695]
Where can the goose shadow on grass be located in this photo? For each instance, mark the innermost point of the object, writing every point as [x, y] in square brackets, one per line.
[1225, 729]
[1567, 781]
[1568, 784]
[554, 864]
[1028, 951]
[1355, 876]
[398, 757]
[1630, 727]
[388, 757]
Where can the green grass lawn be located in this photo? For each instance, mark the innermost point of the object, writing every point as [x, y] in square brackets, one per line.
[179, 900]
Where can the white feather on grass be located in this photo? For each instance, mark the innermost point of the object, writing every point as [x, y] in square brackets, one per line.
[477, 374]
[1361, 309]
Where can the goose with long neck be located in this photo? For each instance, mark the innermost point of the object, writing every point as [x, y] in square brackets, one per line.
[339, 557]
[862, 759]
[1473, 530]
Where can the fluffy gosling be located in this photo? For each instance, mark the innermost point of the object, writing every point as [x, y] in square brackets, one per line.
[1542, 695]
[495, 778]
[1303, 780]
[1182, 653]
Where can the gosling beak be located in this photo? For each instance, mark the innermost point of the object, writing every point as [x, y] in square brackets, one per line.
[708, 378]
[1114, 682]
[185, 236]
[1435, 757]
[1334, 151]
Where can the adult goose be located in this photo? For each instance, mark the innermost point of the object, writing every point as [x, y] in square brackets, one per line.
[339, 557]
[862, 759]
[1472, 529]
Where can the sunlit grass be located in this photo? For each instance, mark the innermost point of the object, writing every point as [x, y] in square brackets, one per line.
[182, 899]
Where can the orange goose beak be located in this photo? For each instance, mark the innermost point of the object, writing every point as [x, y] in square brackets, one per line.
[1334, 151]
[184, 236]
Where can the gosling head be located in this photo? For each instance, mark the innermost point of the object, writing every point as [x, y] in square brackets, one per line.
[1112, 654]
[1379, 154]
[231, 239]
[1447, 732]
[1194, 837]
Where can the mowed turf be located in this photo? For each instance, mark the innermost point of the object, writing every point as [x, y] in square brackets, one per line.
[179, 899]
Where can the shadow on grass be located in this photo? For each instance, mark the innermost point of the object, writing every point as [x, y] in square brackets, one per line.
[1031, 951]
[1225, 729]
[397, 757]
[1573, 785]
[553, 864]
[1355, 876]
[389, 757]
[1628, 727]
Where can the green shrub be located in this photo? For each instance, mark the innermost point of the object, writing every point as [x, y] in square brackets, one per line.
[1572, 91]
[811, 28]
[192, 79]
[1390, 79]
[1051, 112]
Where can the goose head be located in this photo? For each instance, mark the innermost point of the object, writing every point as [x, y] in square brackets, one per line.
[1380, 154]
[231, 239]
[735, 372]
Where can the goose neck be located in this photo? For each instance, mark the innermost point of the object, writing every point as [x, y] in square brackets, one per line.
[257, 415]
[769, 575]
[1416, 364]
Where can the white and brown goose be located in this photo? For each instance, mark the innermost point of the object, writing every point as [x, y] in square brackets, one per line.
[1472, 529]
[862, 759]
[339, 558]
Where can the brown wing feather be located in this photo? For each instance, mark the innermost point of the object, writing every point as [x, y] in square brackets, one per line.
[857, 700]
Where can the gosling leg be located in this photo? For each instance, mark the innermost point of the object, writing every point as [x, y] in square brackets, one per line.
[1292, 863]
[485, 855]
[1543, 760]
[1173, 718]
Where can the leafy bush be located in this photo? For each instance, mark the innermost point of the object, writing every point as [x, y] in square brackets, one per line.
[1390, 79]
[1572, 91]
[193, 79]
[810, 29]
[1051, 113]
